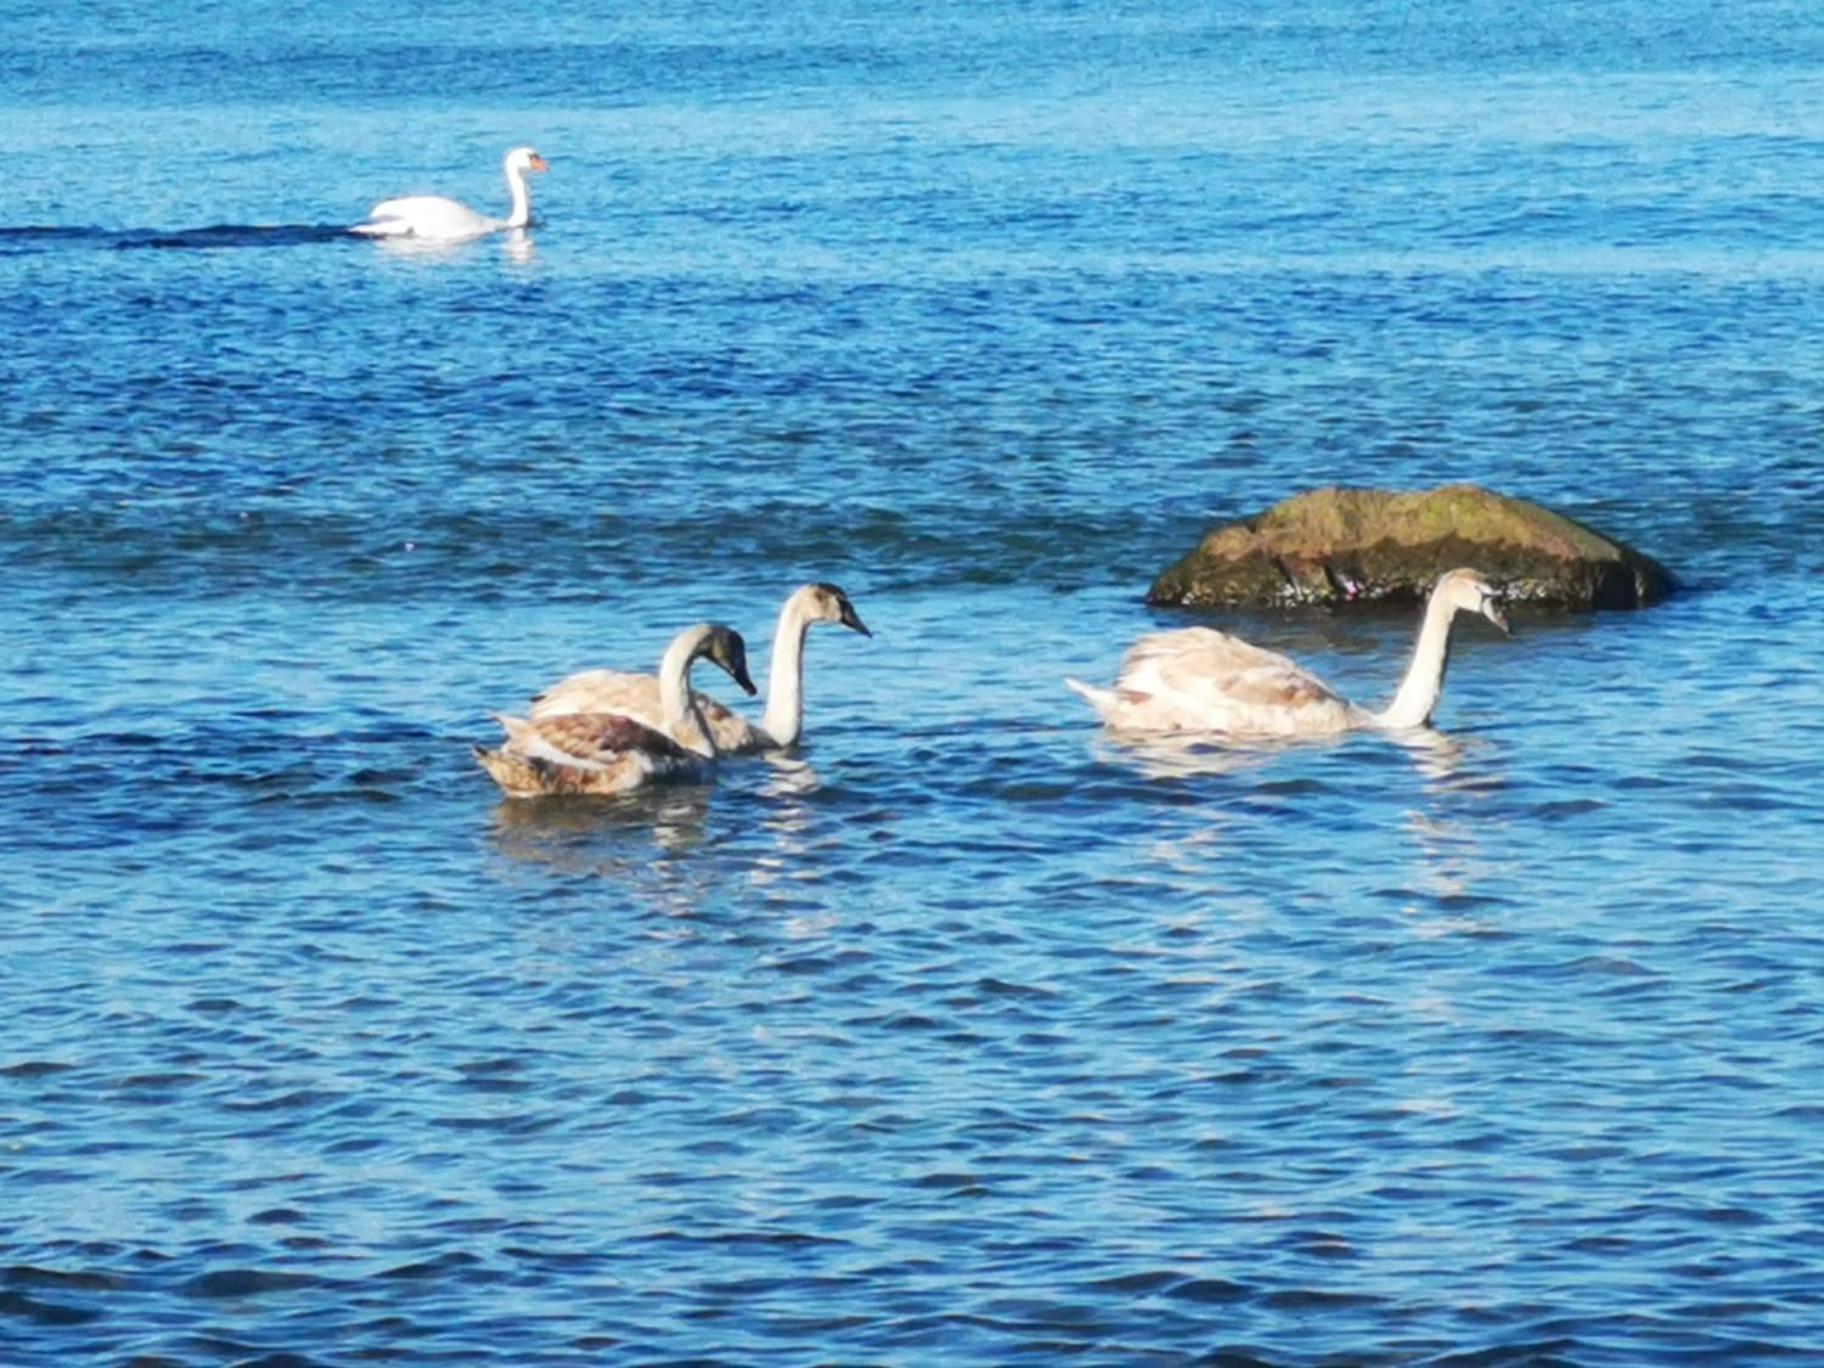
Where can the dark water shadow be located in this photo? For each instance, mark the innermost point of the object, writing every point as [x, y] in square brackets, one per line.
[27, 240]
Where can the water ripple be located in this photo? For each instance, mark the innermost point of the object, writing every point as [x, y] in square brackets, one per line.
[967, 1033]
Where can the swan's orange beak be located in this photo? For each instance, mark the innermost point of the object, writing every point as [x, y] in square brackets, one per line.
[538, 163]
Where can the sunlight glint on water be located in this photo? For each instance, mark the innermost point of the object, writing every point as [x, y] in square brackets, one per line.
[968, 1033]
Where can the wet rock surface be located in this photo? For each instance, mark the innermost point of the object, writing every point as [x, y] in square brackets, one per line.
[1336, 546]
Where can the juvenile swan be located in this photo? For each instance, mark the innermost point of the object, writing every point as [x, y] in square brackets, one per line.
[1203, 680]
[637, 695]
[603, 752]
[432, 218]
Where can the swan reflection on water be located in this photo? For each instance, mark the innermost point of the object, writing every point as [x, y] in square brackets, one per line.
[517, 245]
[1186, 755]
[787, 781]
[587, 835]
[1434, 755]
[1437, 757]
[1450, 768]
[788, 777]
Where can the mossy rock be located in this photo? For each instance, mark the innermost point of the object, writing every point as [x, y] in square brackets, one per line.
[1333, 546]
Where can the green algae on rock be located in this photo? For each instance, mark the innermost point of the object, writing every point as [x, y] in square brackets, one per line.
[1333, 546]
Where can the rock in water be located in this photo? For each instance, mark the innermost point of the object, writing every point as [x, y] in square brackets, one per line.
[1379, 546]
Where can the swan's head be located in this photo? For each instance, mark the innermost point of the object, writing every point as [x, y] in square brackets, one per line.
[827, 603]
[524, 159]
[724, 647]
[1468, 592]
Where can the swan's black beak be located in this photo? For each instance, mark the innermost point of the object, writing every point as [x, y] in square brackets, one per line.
[1495, 614]
[853, 622]
[741, 677]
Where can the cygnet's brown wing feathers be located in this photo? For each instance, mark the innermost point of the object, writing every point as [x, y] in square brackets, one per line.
[636, 695]
[596, 753]
[598, 738]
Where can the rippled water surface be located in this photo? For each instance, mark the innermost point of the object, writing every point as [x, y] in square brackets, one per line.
[962, 1035]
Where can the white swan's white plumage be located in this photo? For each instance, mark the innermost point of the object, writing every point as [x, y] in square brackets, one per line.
[604, 752]
[637, 695]
[1202, 680]
[431, 218]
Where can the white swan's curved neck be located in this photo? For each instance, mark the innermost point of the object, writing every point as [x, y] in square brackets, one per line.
[679, 716]
[783, 719]
[521, 213]
[1418, 695]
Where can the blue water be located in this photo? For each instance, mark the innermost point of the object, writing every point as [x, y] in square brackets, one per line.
[964, 1035]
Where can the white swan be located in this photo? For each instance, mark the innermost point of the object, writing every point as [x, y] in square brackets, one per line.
[1197, 679]
[431, 218]
[604, 752]
[638, 695]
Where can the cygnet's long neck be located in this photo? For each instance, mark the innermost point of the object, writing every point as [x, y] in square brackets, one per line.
[783, 719]
[679, 717]
[1418, 695]
[521, 213]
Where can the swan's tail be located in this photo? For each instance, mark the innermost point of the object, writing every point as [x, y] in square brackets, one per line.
[524, 744]
[511, 766]
[1101, 700]
[517, 778]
